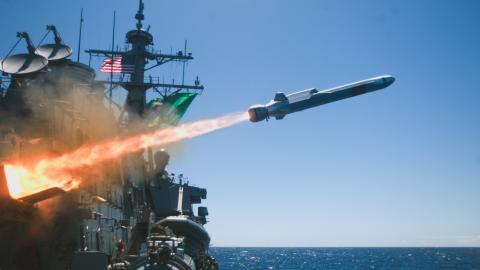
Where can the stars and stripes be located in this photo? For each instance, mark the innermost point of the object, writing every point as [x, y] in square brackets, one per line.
[119, 65]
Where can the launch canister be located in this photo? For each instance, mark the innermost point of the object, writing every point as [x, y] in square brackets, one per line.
[283, 104]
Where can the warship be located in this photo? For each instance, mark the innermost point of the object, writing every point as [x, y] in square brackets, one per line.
[115, 206]
[128, 213]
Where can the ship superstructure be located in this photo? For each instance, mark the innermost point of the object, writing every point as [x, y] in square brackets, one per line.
[127, 213]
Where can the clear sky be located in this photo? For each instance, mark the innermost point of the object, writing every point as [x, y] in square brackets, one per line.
[398, 167]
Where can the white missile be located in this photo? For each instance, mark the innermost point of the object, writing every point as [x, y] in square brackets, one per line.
[283, 104]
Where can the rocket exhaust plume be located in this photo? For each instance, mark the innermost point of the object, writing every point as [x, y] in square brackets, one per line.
[25, 179]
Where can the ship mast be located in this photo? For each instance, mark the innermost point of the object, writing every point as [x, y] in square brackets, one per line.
[139, 56]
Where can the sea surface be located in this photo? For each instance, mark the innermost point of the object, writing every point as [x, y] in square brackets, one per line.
[347, 258]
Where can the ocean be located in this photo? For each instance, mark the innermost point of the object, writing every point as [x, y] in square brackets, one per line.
[347, 258]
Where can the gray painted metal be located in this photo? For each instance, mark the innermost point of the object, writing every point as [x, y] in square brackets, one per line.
[23, 63]
[283, 104]
[54, 51]
[42, 195]
[139, 55]
[92, 260]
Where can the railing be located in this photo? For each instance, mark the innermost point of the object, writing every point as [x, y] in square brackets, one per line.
[154, 81]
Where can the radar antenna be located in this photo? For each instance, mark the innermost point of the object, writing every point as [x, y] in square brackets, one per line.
[134, 62]
[57, 38]
[23, 63]
[139, 16]
[55, 51]
[30, 47]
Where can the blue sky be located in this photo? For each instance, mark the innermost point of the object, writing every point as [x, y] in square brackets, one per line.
[398, 167]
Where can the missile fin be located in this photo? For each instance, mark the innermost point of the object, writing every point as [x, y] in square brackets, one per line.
[280, 117]
[279, 96]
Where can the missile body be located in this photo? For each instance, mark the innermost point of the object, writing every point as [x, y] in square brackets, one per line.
[283, 104]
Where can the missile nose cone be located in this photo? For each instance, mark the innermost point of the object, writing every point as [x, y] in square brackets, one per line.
[388, 80]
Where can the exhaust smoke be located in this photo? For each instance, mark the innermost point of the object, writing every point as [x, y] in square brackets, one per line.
[26, 179]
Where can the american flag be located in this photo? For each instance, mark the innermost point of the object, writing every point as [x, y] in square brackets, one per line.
[119, 65]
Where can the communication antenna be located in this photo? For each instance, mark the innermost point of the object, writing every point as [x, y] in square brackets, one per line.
[23, 63]
[55, 51]
[80, 35]
[113, 57]
[184, 62]
[139, 16]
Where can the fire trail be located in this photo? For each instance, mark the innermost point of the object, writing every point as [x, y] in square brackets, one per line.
[25, 179]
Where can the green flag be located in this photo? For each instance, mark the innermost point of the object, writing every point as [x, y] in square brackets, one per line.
[171, 109]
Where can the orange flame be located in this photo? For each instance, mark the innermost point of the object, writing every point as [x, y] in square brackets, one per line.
[25, 179]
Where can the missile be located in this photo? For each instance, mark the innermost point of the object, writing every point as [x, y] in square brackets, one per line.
[283, 104]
